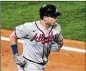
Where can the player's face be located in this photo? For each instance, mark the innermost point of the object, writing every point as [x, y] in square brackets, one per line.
[52, 20]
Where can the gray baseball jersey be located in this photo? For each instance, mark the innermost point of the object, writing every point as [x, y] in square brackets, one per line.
[37, 40]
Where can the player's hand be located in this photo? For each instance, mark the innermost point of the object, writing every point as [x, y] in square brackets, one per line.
[19, 60]
[54, 47]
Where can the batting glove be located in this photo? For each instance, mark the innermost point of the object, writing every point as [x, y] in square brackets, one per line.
[55, 47]
[19, 60]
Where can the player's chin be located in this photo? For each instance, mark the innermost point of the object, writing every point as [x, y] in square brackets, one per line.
[53, 24]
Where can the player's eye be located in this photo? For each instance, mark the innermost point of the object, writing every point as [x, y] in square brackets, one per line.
[54, 17]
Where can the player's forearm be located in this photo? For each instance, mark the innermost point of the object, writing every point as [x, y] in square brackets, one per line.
[13, 39]
[13, 42]
[60, 43]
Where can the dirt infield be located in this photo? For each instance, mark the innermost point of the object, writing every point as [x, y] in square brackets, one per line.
[62, 61]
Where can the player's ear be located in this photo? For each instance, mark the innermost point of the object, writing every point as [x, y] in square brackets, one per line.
[45, 18]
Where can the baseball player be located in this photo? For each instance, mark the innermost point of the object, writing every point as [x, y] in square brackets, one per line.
[40, 38]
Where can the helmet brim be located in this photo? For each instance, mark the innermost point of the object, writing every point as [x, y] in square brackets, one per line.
[57, 14]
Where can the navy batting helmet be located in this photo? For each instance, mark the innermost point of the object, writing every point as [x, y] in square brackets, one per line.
[49, 10]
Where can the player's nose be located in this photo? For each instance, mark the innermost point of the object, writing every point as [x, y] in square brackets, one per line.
[55, 18]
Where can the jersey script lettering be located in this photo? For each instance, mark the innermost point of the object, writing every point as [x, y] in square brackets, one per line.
[41, 38]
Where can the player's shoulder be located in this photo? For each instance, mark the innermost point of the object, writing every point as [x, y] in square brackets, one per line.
[30, 25]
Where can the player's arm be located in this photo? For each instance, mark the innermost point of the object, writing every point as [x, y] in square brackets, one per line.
[58, 42]
[18, 59]
[20, 32]
[13, 42]
[59, 38]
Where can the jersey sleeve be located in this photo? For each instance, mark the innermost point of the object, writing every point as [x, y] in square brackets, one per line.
[21, 31]
[59, 35]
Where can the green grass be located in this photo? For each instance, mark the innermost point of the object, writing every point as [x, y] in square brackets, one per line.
[72, 20]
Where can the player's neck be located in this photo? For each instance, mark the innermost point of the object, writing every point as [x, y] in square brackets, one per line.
[44, 24]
